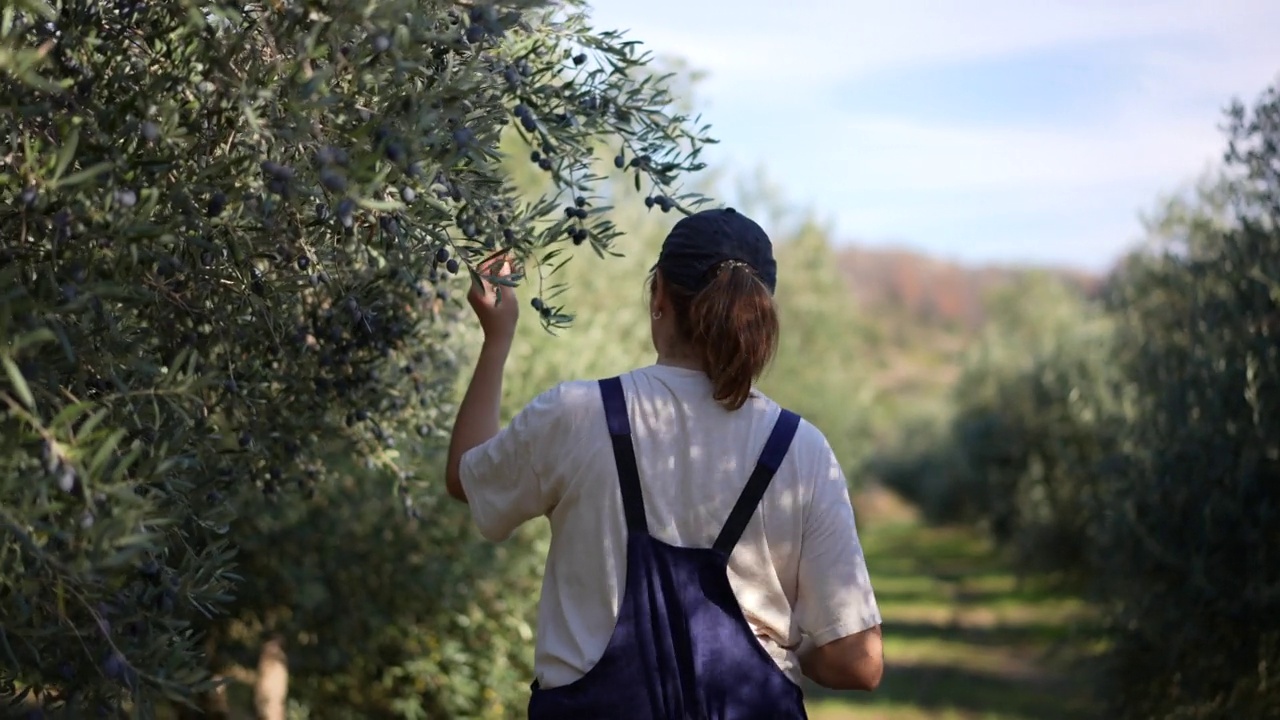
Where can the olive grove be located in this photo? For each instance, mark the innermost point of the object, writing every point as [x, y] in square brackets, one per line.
[1132, 443]
[233, 241]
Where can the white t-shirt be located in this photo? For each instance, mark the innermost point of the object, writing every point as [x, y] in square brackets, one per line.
[798, 572]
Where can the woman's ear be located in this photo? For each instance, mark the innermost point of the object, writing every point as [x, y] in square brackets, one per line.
[658, 299]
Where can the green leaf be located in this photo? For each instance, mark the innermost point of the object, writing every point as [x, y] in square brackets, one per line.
[67, 154]
[19, 383]
[37, 82]
[94, 420]
[40, 8]
[123, 466]
[134, 540]
[83, 176]
[380, 205]
[34, 337]
[512, 280]
[67, 415]
[104, 451]
[128, 555]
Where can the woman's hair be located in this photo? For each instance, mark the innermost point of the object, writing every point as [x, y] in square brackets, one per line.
[731, 325]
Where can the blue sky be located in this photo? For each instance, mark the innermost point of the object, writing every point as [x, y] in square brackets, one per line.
[1008, 131]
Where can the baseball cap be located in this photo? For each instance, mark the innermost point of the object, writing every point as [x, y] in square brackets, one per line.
[701, 241]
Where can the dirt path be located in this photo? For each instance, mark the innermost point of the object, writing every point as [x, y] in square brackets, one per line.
[964, 640]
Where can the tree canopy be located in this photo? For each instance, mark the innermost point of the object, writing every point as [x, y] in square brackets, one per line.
[234, 237]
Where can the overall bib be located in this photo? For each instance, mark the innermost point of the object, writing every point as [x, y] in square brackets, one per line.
[681, 649]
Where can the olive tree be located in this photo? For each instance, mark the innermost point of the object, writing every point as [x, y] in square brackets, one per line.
[1140, 449]
[1192, 528]
[232, 241]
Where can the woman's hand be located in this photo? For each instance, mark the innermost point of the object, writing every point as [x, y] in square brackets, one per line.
[495, 305]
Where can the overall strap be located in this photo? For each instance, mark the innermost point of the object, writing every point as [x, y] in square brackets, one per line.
[624, 455]
[775, 448]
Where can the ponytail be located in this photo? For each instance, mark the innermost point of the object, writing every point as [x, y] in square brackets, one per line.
[731, 326]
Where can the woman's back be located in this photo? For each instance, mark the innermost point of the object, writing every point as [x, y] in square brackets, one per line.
[693, 458]
[653, 607]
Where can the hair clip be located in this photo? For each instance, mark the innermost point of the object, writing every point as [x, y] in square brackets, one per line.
[727, 264]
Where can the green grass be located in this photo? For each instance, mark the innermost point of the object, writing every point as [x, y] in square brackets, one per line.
[964, 638]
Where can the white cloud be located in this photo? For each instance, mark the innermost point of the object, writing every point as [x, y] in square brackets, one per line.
[891, 153]
[773, 66]
[831, 155]
[748, 43]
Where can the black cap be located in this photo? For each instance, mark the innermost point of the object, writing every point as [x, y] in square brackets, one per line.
[700, 242]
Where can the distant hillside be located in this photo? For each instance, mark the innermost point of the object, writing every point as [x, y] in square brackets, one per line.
[926, 312]
[933, 292]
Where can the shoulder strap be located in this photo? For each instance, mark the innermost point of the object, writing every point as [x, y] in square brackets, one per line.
[775, 449]
[624, 455]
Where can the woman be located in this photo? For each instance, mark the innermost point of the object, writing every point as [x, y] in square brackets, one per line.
[703, 552]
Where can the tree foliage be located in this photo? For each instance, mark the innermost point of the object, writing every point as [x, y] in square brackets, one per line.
[994, 458]
[232, 241]
[823, 365]
[1136, 446]
[382, 617]
[1193, 528]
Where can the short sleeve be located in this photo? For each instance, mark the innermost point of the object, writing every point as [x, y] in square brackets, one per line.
[834, 597]
[505, 478]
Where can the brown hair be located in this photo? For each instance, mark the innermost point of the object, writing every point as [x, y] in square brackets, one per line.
[732, 326]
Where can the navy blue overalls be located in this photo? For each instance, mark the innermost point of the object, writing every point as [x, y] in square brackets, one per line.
[681, 649]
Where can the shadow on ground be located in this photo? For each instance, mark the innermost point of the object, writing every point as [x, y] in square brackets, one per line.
[932, 689]
[1044, 634]
[966, 639]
